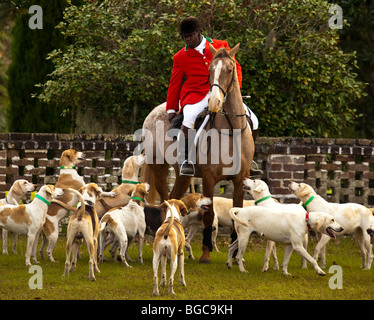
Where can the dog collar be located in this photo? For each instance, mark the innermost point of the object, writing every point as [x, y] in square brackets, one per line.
[311, 232]
[67, 167]
[309, 201]
[131, 182]
[137, 198]
[262, 199]
[44, 200]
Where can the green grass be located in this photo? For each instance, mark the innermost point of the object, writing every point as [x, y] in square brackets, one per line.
[208, 282]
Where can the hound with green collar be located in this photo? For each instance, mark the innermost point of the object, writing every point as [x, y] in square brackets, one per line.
[125, 223]
[279, 225]
[353, 217]
[16, 193]
[262, 196]
[29, 218]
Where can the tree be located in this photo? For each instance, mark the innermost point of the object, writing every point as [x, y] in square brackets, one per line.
[29, 67]
[119, 63]
[358, 35]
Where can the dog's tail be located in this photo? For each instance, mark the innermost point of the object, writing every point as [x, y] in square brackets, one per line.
[104, 221]
[82, 208]
[167, 230]
[233, 212]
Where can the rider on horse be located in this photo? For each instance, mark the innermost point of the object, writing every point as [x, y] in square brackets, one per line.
[189, 85]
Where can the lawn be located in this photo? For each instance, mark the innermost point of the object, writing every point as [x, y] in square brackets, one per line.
[204, 282]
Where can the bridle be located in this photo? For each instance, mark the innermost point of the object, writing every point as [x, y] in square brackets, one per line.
[225, 93]
[230, 84]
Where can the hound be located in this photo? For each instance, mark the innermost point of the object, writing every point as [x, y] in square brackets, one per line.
[195, 203]
[260, 192]
[29, 218]
[16, 193]
[169, 243]
[193, 221]
[130, 171]
[351, 216]
[126, 222]
[280, 225]
[69, 178]
[83, 224]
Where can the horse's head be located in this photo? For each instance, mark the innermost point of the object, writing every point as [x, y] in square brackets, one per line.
[222, 75]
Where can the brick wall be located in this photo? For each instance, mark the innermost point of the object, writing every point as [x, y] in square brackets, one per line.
[341, 170]
[35, 157]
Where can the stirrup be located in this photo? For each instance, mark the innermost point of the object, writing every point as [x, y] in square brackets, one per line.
[186, 164]
[255, 172]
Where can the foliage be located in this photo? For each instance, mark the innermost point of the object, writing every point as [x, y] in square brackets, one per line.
[28, 53]
[119, 64]
[121, 58]
[359, 36]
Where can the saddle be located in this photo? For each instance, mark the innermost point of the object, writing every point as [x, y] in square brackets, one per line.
[177, 121]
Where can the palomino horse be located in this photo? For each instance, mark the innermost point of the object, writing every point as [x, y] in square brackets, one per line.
[226, 133]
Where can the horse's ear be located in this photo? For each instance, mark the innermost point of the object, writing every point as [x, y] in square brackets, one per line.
[212, 50]
[234, 50]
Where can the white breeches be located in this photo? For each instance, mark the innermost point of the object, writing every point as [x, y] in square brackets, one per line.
[191, 111]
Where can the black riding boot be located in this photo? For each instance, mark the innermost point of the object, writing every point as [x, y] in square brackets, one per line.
[186, 167]
[255, 172]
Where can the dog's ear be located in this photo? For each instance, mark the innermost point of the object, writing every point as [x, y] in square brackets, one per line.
[70, 154]
[191, 200]
[144, 189]
[258, 188]
[304, 192]
[16, 188]
[49, 190]
[183, 209]
[131, 191]
[147, 187]
[98, 191]
[319, 224]
[128, 167]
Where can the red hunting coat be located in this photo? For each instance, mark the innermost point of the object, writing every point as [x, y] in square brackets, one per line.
[189, 81]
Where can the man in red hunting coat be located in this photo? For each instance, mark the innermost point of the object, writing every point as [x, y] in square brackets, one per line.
[189, 84]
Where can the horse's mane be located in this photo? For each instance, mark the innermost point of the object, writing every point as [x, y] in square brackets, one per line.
[222, 53]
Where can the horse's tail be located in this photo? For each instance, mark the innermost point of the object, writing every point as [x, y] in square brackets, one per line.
[233, 212]
[147, 176]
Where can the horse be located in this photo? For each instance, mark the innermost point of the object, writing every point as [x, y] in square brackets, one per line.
[226, 130]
